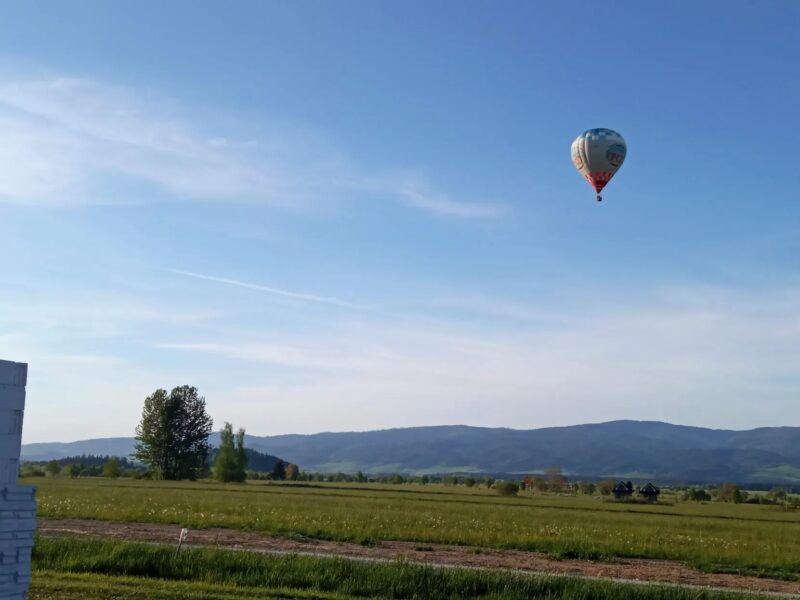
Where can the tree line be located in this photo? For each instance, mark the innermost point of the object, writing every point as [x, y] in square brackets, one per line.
[172, 440]
[85, 465]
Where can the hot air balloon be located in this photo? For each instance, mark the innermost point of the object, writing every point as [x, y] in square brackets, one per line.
[597, 154]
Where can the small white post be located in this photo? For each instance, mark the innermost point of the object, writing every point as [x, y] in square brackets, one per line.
[181, 538]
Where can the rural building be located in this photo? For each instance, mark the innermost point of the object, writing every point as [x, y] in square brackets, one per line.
[623, 490]
[650, 492]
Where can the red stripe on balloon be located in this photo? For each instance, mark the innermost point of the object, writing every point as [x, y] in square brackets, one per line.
[599, 179]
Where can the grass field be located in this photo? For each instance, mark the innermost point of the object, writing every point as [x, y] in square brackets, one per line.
[87, 569]
[748, 539]
[58, 585]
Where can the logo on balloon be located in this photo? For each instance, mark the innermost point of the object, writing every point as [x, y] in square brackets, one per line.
[577, 161]
[615, 155]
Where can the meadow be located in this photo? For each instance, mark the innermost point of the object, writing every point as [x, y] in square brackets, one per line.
[89, 569]
[747, 539]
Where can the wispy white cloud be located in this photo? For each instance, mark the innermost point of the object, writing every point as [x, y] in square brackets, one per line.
[688, 354]
[73, 141]
[331, 356]
[274, 291]
[693, 356]
[419, 194]
[94, 314]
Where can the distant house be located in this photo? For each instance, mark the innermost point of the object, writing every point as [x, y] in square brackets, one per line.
[623, 490]
[650, 492]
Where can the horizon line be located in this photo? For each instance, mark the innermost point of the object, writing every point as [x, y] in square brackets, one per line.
[613, 421]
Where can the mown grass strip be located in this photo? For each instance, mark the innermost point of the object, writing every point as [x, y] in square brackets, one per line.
[56, 585]
[240, 571]
[449, 498]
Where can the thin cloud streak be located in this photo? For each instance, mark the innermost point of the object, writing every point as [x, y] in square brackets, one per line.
[679, 356]
[275, 291]
[65, 137]
[419, 195]
[700, 356]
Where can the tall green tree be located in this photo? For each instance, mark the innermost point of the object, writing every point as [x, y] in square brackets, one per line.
[172, 437]
[241, 456]
[225, 464]
[231, 459]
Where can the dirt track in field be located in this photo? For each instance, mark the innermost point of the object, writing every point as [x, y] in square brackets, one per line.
[639, 570]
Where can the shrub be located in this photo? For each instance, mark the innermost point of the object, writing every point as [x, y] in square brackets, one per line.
[507, 488]
[697, 496]
[730, 492]
[111, 468]
[31, 471]
[777, 495]
[606, 487]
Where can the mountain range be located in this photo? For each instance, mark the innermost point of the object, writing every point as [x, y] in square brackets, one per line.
[620, 449]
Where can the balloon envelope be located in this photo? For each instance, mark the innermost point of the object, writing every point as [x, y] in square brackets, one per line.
[598, 154]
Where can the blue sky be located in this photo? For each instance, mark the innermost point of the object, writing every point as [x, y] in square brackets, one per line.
[356, 215]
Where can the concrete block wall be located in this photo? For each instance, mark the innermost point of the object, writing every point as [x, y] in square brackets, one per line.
[17, 503]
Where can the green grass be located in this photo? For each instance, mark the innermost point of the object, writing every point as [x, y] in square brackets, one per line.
[82, 568]
[750, 539]
[56, 585]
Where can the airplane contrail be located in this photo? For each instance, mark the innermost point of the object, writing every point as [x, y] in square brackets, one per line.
[275, 291]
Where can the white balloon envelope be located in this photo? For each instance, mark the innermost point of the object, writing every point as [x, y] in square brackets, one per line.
[598, 154]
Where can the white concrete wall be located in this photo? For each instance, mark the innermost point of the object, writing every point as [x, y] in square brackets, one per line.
[17, 503]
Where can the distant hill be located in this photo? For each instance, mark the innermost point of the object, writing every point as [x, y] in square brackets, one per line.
[630, 449]
[96, 447]
[256, 461]
[91, 452]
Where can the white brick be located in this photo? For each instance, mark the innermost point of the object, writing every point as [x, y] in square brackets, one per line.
[12, 397]
[10, 446]
[15, 539]
[21, 515]
[19, 505]
[13, 570]
[9, 470]
[13, 373]
[18, 493]
[28, 513]
[18, 554]
[24, 510]
[18, 524]
[11, 422]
